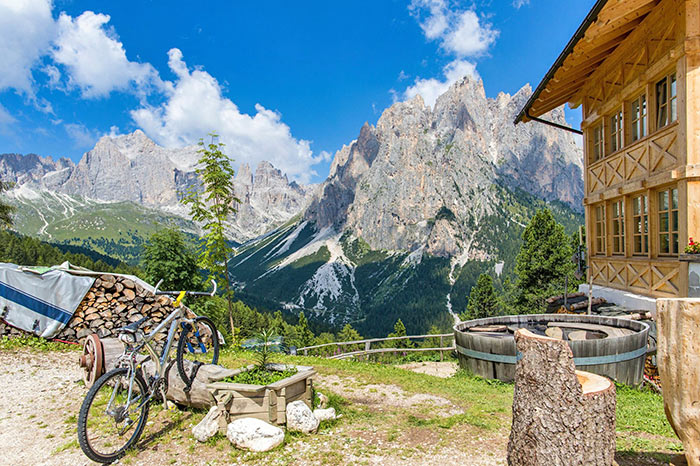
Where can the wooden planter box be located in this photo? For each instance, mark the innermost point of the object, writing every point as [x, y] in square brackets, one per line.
[265, 402]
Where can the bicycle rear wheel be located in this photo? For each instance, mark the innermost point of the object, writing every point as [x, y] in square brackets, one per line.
[198, 344]
[111, 419]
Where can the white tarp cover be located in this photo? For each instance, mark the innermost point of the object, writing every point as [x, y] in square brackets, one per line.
[41, 300]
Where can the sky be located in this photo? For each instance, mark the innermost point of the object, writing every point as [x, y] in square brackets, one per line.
[287, 82]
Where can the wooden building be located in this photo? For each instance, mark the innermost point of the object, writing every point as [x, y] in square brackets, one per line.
[634, 68]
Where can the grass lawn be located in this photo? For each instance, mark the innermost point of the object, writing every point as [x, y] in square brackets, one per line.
[389, 415]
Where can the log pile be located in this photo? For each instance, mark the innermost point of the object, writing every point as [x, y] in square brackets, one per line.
[111, 303]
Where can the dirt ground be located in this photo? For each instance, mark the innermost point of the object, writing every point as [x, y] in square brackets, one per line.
[42, 392]
[438, 369]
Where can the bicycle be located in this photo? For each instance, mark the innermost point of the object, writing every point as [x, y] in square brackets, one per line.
[118, 402]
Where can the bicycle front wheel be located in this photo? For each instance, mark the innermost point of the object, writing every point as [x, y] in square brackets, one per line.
[198, 344]
[112, 416]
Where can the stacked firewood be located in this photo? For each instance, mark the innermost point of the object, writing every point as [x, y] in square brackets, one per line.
[111, 303]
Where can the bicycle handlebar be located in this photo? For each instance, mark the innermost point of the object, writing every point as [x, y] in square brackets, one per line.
[187, 293]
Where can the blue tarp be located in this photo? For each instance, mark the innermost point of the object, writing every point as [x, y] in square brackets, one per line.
[41, 300]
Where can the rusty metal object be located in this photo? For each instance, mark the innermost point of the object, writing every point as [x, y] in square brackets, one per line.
[92, 360]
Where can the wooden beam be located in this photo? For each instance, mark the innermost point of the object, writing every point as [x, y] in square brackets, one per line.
[626, 9]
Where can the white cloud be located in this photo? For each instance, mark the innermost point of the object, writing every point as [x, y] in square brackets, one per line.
[81, 135]
[468, 37]
[95, 58]
[520, 3]
[459, 32]
[5, 118]
[195, 106]
[26, 29]
[432, 88]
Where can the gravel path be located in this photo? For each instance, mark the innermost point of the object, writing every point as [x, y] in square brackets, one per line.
[42, 392]
[39, 404]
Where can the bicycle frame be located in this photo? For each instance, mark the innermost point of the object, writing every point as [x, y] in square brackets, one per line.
[144, 342]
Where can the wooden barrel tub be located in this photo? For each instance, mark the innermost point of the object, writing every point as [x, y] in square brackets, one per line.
[492, 355]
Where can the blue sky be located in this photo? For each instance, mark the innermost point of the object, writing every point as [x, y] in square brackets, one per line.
[289, 82]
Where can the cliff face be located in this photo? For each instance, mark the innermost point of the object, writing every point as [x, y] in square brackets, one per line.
[423, 177]
[133, 168]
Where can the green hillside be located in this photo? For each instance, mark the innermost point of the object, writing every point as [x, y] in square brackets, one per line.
[116, 229]
[294, 267]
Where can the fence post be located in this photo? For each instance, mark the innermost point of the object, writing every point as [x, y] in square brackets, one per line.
[306, 352]
[441, 346]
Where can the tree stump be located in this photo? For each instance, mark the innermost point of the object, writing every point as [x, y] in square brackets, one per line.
[561, 416]
[679, 369]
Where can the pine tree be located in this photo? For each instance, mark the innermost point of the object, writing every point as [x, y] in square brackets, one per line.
[399, 331]
[211, 206]
[542, 263]
[6, 210]
[167, 256]
[483, 301]
[304, 333]
[348, 333]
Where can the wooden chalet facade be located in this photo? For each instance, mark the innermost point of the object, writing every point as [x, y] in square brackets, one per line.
[634, 68]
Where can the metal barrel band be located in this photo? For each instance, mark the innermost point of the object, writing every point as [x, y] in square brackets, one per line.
[581, 361]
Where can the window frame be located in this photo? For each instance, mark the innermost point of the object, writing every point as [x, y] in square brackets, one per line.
[617, 223]
[671, 234]
[669, 104]
[617, 130]
[600, 230]
[640, 225]
[598, 141]
[639, 118]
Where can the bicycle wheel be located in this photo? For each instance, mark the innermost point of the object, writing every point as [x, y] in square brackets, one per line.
[198, 344]
[111, 420]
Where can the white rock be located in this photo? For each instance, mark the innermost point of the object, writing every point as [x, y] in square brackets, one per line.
[300, 418]
[253, 434]
[324, 414]
[209, 426]
[322, 400]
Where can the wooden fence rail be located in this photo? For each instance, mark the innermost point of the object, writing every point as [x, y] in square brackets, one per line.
[369, 350]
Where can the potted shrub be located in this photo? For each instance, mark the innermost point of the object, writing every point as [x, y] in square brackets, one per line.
[264, 389]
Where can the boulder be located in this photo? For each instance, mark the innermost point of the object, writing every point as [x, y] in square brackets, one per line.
[300, 418]
[325, 414]
[210, 425]
[253, 434]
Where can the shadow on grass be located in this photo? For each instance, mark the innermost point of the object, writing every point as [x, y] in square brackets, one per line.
[167, 426]
[653, 458]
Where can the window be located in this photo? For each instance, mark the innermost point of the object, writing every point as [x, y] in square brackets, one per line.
[598, 139]
[638, 113]
[666, 101]
[640, 222]
[668, 221]
[600, 229]
[618, 227]
[616, 131]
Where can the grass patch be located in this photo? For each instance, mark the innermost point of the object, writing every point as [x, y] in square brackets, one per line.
[73, 444]
[31, 342]
[641, 411]
[258, 376]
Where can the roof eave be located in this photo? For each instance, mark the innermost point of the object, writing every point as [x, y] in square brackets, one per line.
[580, 32]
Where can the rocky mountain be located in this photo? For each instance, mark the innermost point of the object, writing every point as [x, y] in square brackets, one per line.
[133, 169]
[414, 208]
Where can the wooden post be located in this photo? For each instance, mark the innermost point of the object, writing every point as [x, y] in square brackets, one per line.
[441, 346]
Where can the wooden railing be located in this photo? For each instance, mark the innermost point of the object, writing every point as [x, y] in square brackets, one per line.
[369, 350]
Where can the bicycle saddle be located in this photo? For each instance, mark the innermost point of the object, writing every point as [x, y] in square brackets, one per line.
[132, 327]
